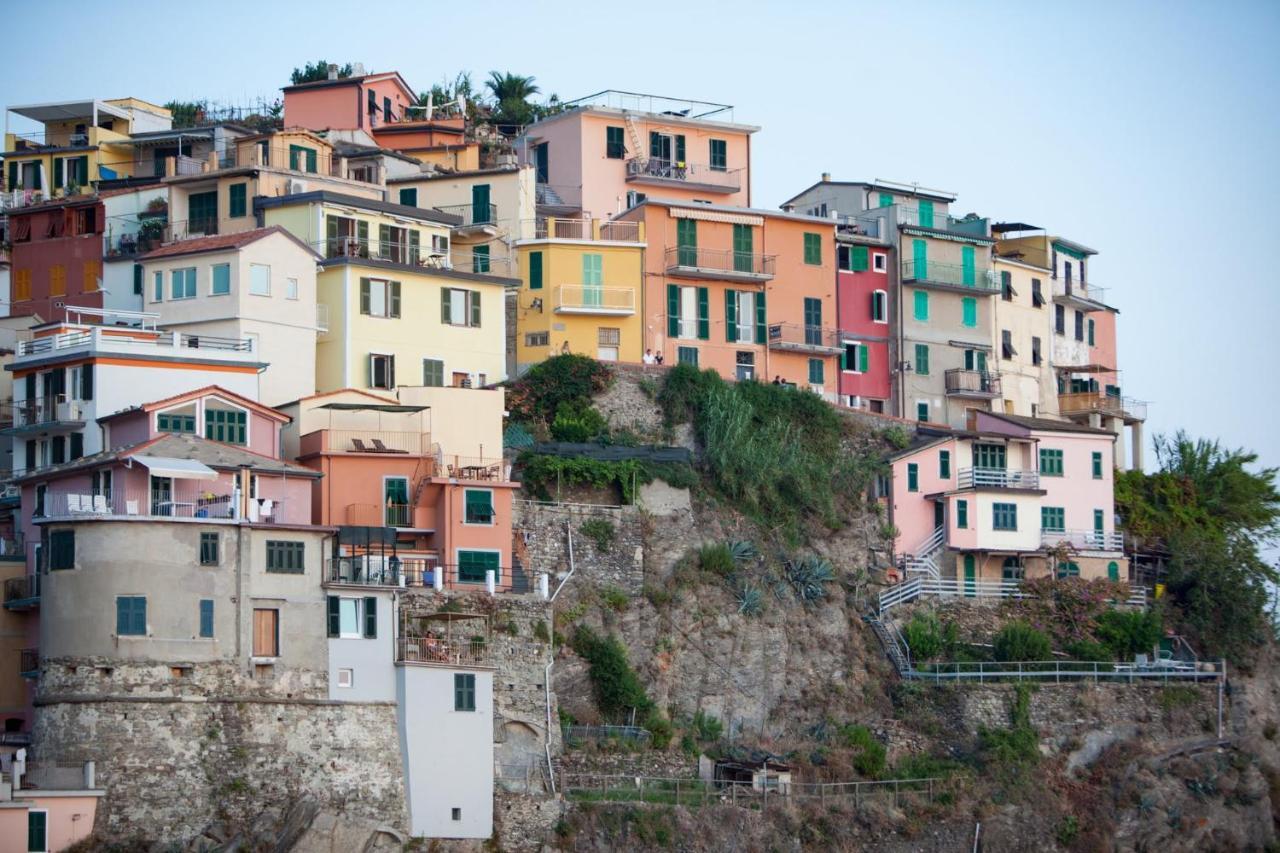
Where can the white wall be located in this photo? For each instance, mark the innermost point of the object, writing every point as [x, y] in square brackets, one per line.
[372, 661]
[447, 754]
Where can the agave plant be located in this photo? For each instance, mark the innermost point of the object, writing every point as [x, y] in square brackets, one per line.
[809, 576]
[742, 550]
[750, 600]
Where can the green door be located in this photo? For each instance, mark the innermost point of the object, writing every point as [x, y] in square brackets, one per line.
[1113, 571]
[919, 260]
[202, 213]
[592, 279]
[480, 212]
[926, 214]
[396, 500]
[970, 576]
[540, 163]
[687, 242]
[966, 260]
[742, 260]
[812, 321]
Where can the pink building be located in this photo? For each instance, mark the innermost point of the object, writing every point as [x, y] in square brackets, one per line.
[863, 308]
[606, 152]
[50, 808]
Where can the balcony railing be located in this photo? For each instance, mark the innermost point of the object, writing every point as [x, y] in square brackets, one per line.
[471, 215]
[588, 299]
[444, 652]
[720, 263]
[659, 171]
[130, 244]
[1083, 540]
[29, 663]
[997, 478]
[1074, 291]
[947, 275]
[380, 515]
[972, 383]
[476, 468]
[47, 410]
[22, 593]
[1104, 404]
[863, 225]
[795, 337]
[394, 443]
[319, 163]
[381, 570]
[186, 499]
[466, 260]
[585, 228]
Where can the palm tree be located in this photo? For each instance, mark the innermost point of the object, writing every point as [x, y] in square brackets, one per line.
[510, 87]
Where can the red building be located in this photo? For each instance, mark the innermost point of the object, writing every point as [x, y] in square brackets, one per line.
[862, 308]
[56, 257]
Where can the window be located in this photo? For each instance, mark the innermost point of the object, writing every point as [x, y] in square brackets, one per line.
[886, 199]
[260, 279]
[1079, 325]
[969, 311]
[176, 423]
[1012, 569]
[464, 694]
[1004, 516]
[302, 159]
[535, 270]
[537, 339]
[38, 830]
[22, 285]
[688, 312]
[478, 506]
[719, 155]
[944, 464]
[456, 813]
[1091, 333]
[92, 277]
[131, 616]
[382, 371]
[57, 280]
[220, 279]
[1099, 521]
[1068, 570]
[285, 557]
[913, 477]
[1053, 519]
[101, 483]
[926, 214]
[206, 617]
[989, 456]
[744, 259]
[1059, 319]
[1037, 296]
[229, 427]
[614, 147]
[209, 549]
[816, 371]
[855, 358]
[433, 373]
[1050, 463]
[346, 677]
[1035, 352]
[157, 294]
[1006, 286]
[922, 411]
[687, 355]
[1097, 466]
[880, 262]
[813, 321]
[182, 283]
[962, 515]
[409, 196]
[290, 288]
[380, 298]
[459, 307]
[879, 306]
[480, 259]
[238, 202]
[608, 343]
[1006, 344]
[266, 632]
[473, 565]
[856, 258]
[62, 550]
[922, 359]
[813, 248]
[921, 305]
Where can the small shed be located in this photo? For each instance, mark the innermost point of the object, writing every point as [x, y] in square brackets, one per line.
[760, 773]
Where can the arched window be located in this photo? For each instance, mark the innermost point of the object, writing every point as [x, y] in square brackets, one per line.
[1113, 571]
[1068, 570]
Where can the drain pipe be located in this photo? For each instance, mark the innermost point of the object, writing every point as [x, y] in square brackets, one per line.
[546, 675]
[568, 532]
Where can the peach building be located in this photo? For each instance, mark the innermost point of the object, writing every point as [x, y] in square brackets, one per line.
[49, 808]
[750, 293]
[607, 151]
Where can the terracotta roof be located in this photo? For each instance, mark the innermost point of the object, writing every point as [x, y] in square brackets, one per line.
[208, 390]
[221, 242]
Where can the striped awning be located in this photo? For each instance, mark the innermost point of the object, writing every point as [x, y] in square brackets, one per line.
[716, 216]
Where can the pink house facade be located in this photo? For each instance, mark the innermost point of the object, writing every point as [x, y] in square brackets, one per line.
[863, 306]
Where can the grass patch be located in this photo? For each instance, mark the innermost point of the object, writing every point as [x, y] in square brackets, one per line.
[600, 531]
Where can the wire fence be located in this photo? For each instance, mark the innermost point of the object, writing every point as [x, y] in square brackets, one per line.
[634, 734]
[747, 793]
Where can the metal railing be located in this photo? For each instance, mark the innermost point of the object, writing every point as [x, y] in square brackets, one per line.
[464, 260]
[445, 652]
[29, 663]
[863, 225]
[470, 214]
[186, 499]
[47, 410]
[476, 468]
[129, 244]
[1106, 404]
[50, 343]
[1076, 289]
[585, 228]
[802, 338]
[22, 592]
[962, 381]
[916, 587]
[590, 299]
[393, 443]
[754, 794]
[997, 478]
[380, 515]
[597, 733]
[656, 169]
[1083, 540]
[951, 275]
[118, 337]
[1069, 671]
[720, 261]
[381, 570]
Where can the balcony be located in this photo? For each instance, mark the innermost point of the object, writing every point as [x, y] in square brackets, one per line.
[390, 570]
[793, 337]
[1083, 540]
[997, 478]
[131, 244]
[972, 383]
[586, 299]
[476, 468]
[185, 500]
[946, 276]
[1077, 294]
[381, 515]
[695, 176]
[22, 593]
[1107, 405]
[721, 264]
[586, 228]
[47, 414]
[131, 340]
[382, 442]
[472, 216]
[29, 663]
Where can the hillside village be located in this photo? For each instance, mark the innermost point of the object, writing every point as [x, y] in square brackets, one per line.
[393, 470]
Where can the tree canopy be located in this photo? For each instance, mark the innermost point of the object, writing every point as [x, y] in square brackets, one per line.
[318, 70]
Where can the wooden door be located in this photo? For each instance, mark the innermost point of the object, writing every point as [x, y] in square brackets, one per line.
[266, 633]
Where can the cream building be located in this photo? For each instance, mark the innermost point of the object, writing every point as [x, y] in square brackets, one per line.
[1022, 339]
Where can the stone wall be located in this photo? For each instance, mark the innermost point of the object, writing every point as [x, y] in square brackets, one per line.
[176, 767]
[542, 527]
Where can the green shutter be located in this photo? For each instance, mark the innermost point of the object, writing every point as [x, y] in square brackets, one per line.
[364, 296]
[370, 618]
[913, 477]
[969, 307]
[812, 248]
[480, 259]
[1113, 571]
[535, 270]
[415, 246]
[926, 214]
[886, 199]
[1090, 333]
[817, 371]
[743, 261]
[704, 314]
[1099, 521]
[687, 242]
[58, 171]
[967, 267]
[13, 177]
[962, 514]
[922, 359]
[82, 169]
[237, 200]
[861, 258]
[944, 464]
[393, 299]
[409, 196]
[921, 306]
[730, 316]
[446, 315]
[762, 331]
[474, 297]
[38, 830]
[334, 615]
[673, 311]
[1097, 466]
[919, 260]
[680, 151]
[480, 209]
[362, 237]
[864, 357]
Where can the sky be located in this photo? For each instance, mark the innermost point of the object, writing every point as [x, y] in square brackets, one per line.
[1148, 131]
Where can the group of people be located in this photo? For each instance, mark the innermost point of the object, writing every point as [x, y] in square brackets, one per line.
[651, 358]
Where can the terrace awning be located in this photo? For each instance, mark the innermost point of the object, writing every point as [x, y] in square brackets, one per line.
[178, 469]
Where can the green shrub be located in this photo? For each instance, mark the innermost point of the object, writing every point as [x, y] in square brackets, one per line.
[577, 421]
[1017, 746]
[600, 531]
[1018, 641]
[660, 729]
[896, 436]
[707, 727]
[540, 631]
[536, 396]
[1068, 829]
[750, 599]
[615, 599]
[689, 746]
[869, 760]
[1089, 650]
[924, 636]
[809, 577]
[717, 559]
[1130, 632]
[615, 684]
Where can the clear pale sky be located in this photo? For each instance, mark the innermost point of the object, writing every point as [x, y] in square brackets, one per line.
[1149, 131]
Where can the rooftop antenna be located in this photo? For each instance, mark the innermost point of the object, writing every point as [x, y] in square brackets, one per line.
[460, 102]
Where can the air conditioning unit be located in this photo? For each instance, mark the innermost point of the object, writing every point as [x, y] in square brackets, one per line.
[296, 186]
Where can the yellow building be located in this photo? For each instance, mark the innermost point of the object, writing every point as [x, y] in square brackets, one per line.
[80, 142]
[386, 324]
[581, 286]
[1022, 335]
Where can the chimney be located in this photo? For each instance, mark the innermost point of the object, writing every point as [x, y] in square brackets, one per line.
[826, 177]
[333, 71]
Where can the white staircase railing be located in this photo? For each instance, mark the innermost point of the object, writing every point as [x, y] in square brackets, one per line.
[924, 559]
[915, 587]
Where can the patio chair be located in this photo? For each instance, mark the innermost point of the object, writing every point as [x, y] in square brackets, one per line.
[73, 504]
[131, 507]
[359, 447]
[382, 448]
[100, 504]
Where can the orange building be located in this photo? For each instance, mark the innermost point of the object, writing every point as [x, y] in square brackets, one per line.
[410, 513]
[750, 293]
